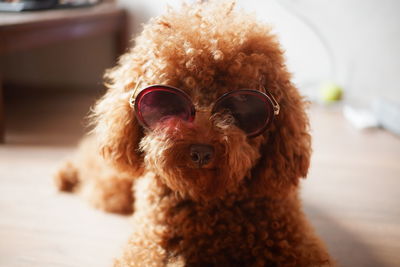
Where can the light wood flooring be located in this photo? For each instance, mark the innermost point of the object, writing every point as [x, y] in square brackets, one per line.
[352, 194]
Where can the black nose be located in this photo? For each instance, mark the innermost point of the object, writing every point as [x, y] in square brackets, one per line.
[201, 154]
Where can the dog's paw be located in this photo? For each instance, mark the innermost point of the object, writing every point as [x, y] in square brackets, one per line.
[66, 178]
[113, 194]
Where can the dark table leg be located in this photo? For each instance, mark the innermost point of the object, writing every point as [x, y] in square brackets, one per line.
[2, 117]
[122, 38]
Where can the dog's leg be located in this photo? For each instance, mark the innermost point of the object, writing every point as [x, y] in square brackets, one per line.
[91, 176]
[143, 251]
[66, 178]
[313, 252]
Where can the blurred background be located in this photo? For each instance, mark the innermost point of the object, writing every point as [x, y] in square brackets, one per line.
[344, 56]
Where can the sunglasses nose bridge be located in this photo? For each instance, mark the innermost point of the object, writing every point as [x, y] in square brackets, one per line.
[202, 122]
[202, 116]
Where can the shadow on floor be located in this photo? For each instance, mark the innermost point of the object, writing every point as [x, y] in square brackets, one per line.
[344, 246]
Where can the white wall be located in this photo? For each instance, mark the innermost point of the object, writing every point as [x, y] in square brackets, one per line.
[363, 37]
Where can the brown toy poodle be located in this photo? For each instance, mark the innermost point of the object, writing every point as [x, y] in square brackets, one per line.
[202, 134]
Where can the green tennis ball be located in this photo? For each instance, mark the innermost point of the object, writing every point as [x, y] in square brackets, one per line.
[331, 92]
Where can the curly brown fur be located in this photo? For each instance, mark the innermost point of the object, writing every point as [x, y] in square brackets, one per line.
[89, 174]
[242, 208]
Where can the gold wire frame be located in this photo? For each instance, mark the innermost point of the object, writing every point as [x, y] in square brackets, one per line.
[133, 95]
[275, 103]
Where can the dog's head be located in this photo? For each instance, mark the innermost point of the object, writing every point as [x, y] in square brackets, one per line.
[207, 51]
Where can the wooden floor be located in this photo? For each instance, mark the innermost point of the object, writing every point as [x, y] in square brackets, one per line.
[352, 194]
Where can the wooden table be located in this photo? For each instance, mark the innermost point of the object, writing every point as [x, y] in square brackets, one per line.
[24, 31]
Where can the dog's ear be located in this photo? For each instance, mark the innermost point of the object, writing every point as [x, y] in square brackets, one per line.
[115, 126]
[285, 154]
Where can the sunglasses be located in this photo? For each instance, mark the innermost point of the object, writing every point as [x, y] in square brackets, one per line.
[252, 110]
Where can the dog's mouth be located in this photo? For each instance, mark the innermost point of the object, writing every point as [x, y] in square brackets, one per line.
[198, 183]
[191, 167]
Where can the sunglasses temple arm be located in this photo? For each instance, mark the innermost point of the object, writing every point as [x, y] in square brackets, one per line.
[275, 105]
[133, 95]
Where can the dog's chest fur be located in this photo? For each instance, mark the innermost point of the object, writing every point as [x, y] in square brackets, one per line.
[239, 229]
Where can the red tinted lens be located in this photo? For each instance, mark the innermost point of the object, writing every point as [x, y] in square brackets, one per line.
[252, 110]
[156, 104]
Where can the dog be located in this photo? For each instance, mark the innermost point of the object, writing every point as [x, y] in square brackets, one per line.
[203, 136]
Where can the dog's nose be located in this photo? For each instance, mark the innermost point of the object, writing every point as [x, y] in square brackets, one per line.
[201, 154]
